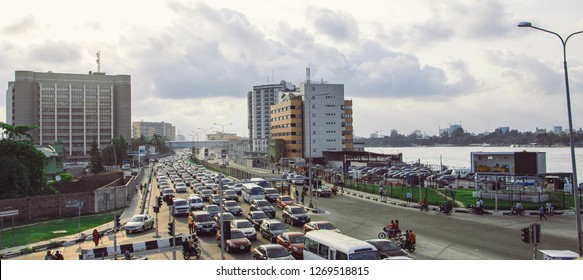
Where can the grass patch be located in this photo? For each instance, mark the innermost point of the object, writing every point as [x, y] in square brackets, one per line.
[33, 233]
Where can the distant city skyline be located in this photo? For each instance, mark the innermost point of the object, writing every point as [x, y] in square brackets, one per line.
[407, 65]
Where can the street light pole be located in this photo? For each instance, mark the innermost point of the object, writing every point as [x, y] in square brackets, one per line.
[310, 180]
[571, 132]
[223, 139]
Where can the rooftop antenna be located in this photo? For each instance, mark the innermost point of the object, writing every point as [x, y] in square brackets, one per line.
[98, 61]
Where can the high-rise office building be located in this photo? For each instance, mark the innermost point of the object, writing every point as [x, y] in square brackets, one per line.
[148, 129]
[75, 109]
[258, 104]
[322, 121]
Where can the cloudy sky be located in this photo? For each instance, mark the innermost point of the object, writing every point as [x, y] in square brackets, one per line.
[406, 64]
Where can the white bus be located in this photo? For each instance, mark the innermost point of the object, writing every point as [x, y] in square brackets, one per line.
[330, 245]
[261, 182]
[250, 191]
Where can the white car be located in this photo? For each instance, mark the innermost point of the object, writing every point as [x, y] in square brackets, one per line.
[139, 223]
[180, 187]
[246, 227]
[180, 207]
[195, 202]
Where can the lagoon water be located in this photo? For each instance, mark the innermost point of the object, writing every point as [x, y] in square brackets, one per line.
[558, 159]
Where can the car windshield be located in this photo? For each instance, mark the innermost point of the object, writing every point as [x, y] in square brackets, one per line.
[270, 191]
[259, 215]
[180, 203]
[228, 217]
[229, 192]
[167, 191]
[237, 234]
[326, 226]
[295, 239]
[195, 200]
[277, 252]
[231, 203]
[206, 192]
[243, 224]
[298, 210]
[263, 203]
[366, 255]
[387, 246]
[202, 218]
[212, 208]
[276, 226]
[137, 219]
[286, 198]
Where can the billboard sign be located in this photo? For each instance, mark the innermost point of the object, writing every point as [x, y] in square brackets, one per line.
[509, 163]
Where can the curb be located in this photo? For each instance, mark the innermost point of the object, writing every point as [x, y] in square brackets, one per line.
[102, 252]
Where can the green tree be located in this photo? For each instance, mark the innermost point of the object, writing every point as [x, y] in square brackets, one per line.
[116, 151]
[21, 164]
[96, 161]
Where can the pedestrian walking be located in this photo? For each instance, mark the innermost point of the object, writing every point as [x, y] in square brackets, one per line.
[297, 196]
[408, 198]
[303, 197]
[137, 188]
[49, 256]
[59, 256]
[96, 237]
[541, 213]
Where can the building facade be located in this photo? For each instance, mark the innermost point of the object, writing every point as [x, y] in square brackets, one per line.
[327, 119]
[75, 109]
[148, 129]
[286, 129]
[258, 104]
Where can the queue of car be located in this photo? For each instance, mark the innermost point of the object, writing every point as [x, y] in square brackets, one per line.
[205, 205]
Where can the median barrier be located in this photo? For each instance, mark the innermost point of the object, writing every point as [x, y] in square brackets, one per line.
[102, 252]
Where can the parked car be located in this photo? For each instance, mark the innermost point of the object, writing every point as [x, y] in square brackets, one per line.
[271, 194]
[139, 223]
[293, 242]
[256, 218]
[388, 248]
[246, 227]
[271, 228]
[232, 207]
[203, 222]
[263, 205]
[271, 252]
[320, 225]
[295, 215]
[237, 241]
[284, 200]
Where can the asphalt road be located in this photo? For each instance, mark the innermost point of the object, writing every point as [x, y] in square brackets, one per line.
[460, 236]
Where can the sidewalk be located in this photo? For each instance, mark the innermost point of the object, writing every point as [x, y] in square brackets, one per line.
[128, 212]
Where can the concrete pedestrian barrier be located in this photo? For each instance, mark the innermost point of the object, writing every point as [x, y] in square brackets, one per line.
[102, 252]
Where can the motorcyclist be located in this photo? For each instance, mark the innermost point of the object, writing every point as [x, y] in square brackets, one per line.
[445, 207]
[424, 204]
[480, 206]
[518, 208]
[390, 228]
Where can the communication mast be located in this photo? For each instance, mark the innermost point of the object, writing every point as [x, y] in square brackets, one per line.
[98, 61]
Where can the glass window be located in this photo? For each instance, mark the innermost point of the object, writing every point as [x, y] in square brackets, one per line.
[323, 251]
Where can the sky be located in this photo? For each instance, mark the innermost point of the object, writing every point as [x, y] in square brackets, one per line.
[406, 64]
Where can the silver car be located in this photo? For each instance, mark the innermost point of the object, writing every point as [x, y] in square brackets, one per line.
[139, 223]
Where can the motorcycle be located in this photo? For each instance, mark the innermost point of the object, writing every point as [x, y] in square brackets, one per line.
[515, 211]
[395, 235]
[186, 254]
[424, 207]
[334, 189]
[442, 209]
[475, 210]
[405, 245]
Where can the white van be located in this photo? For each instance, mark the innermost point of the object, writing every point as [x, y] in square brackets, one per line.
[250, 192]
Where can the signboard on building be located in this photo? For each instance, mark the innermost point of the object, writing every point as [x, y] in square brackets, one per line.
[509, 163]
[9, 213]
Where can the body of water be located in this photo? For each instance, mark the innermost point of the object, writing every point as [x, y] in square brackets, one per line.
[557, 159]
